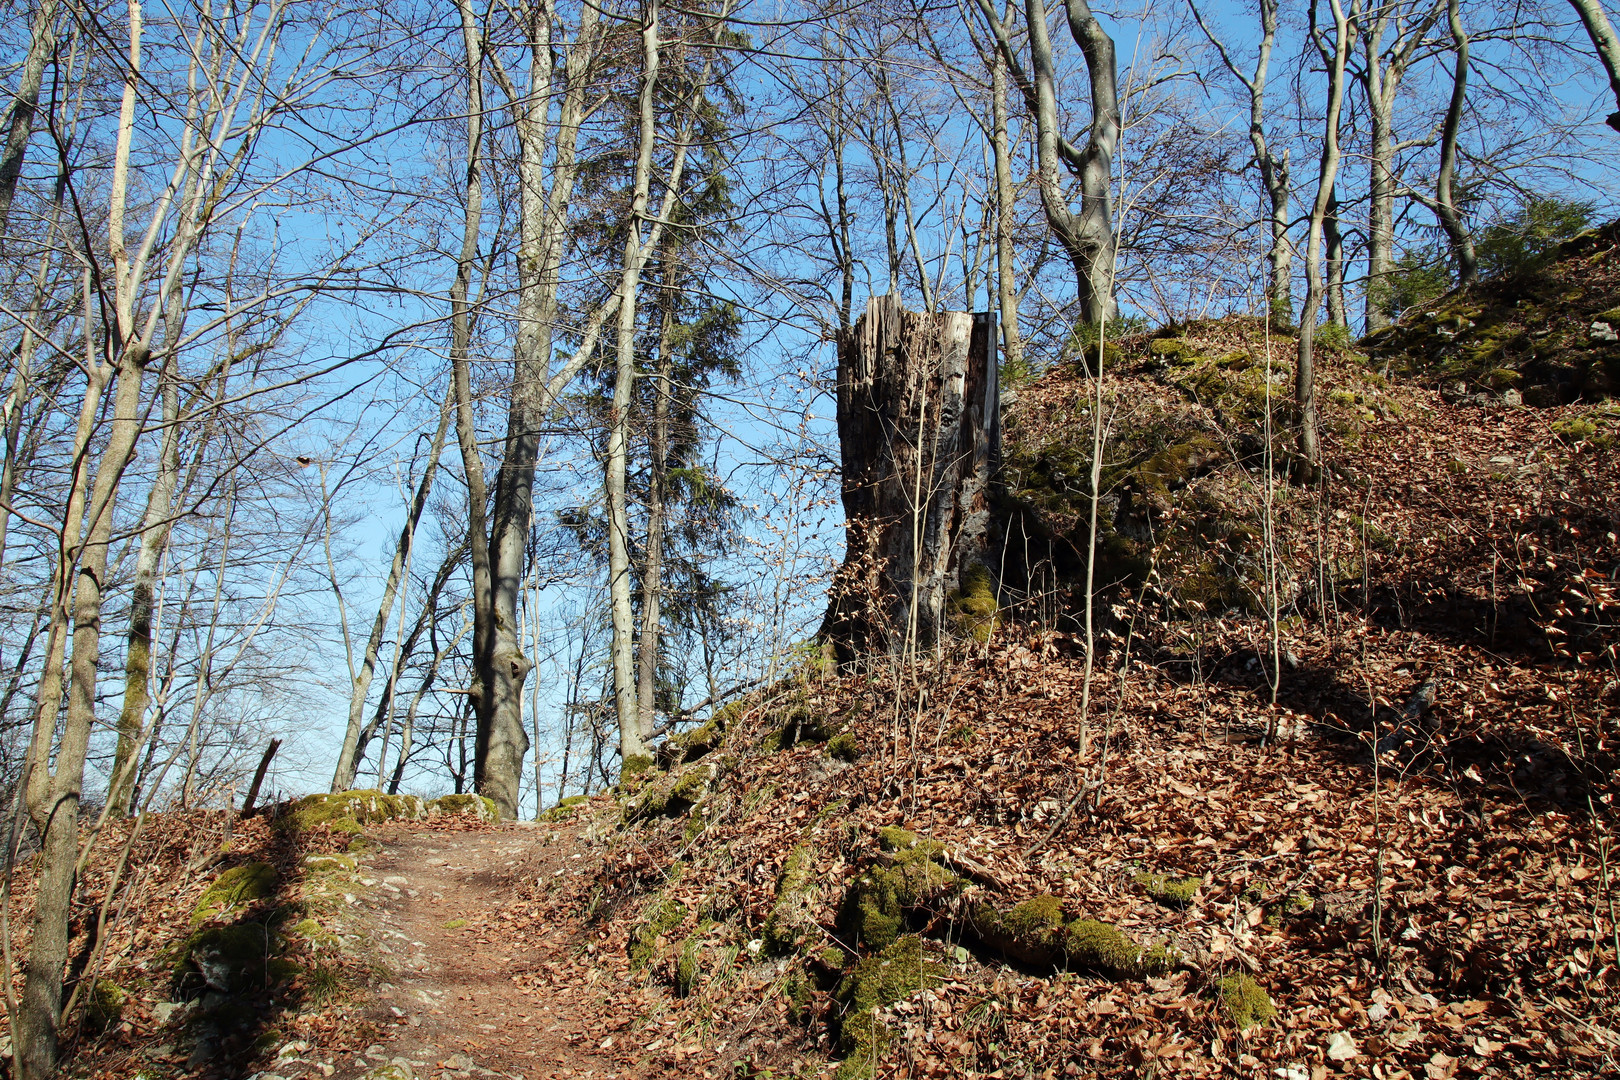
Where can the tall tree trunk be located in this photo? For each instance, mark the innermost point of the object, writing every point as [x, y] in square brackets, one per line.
[626, 706]
[1087, 237]
[652, 571]
[1338, 310]
[919, 428]
[19, 122]
[1445, 203]
[138, 653]
[1607, 44]
[1305, 369]
[1012, 348]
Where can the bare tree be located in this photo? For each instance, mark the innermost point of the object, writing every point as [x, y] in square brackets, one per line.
[1088, 237]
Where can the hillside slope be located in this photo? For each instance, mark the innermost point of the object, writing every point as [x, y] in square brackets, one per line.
[944, 870]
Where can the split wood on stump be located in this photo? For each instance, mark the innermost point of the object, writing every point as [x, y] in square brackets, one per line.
[919, 425]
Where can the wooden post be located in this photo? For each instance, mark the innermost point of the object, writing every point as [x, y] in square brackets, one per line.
[258, 776]
[919, 426]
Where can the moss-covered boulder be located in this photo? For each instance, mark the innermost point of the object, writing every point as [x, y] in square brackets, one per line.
[844, 747]
[1036, 932]
[1244, 1001]
[105, 1005]
[230, 959]
[796, 722]
[788, 924]
[348, 811]
[566, 808]
[705, 739]
[236, 888]
[894, 974]
[672, 795]
[331, 863]
[473, 807]
[906, 879]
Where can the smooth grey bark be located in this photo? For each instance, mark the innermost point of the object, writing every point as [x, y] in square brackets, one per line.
[1607, 44]
[1273, 169]
[1333, 256]
[1380, 77]
[1087, 237]
[1445, 202]
[1305, 368]
[1012, 347]
[632, 742]
[652, 571]
[19, 122]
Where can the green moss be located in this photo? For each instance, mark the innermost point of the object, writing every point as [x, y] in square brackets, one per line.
[1574, 429]
[973, 606]
[894, 974]
[1171, 891]
[236, 887]
[347, 811]
[800, 992]
[566, 808]
[694, 744]
[664, 916]
[1098, 945]
[874, 908]
[634, 766]
[331, 864]
[480, 807]
[1245, 1001]
[796, 722]
[456, 924]
[1178, 352]
[786, 925]
[1289, 906]
[691, 787]
[689, 968]
[105, 1006]
[844, 747]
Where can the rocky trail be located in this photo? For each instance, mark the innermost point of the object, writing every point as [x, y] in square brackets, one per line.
[456, 1003]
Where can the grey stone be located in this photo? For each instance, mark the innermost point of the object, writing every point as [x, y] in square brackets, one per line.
[1512, 397]
[1602, 331]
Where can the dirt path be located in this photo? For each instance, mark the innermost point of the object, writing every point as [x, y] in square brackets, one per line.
[451, 1009]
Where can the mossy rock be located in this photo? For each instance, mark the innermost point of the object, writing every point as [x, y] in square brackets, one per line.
[1037, 933]
[1169, 890]
[237, 887]
[105, 1006]
[1178, 352]
[387, 1072]
[844, 747]
[476, 807]
[700, 741]
[972, 607]
[797, 723]
[348, 811]
[635, 767]
[787, 926]
[331, 863]
[671, 796]
[1244, 1001]
[894, 974]
[566, 808]
[875, 907]
[664, 915]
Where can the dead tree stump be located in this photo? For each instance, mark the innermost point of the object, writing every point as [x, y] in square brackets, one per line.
[919, 427]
